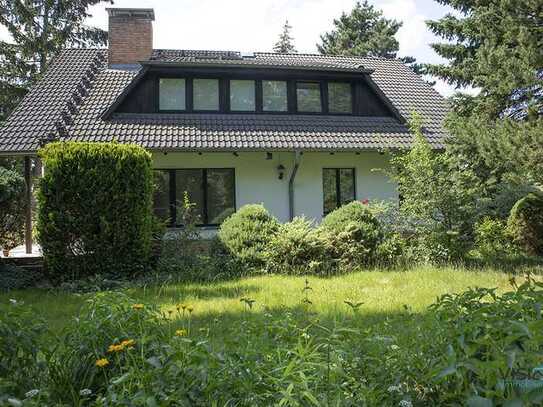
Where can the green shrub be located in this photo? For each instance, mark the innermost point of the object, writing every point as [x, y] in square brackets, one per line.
[296, 249]
[95, 209]
[525, 223]
[247, 233]
[12, 218]
[491, 239]
[352, 234]
[15, 278]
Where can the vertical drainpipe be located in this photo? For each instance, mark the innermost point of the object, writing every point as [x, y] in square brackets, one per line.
[297, 157]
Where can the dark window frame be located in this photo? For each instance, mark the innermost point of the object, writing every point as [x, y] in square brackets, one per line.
[323, 96]
[174, 199]
[186, 109]
[353, 95]
[338, 186]
[228, 95]
[288, 111]
[220, 94]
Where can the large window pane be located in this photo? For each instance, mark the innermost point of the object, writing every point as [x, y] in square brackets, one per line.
[162, 194]
[242, 95]
[206, 94]
[329, 190]
[339, 97]
[346, 185]
[338, 185]
[190, 181]
[171, 94]
[308, 95]
[274, 96]
[220, 195]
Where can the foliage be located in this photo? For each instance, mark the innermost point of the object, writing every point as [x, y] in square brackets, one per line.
[494, 46]
[12, 218]
[247, 233]
[491, 239]
[438, 198]
[365, 32]
[285, 44]
[120, 351]
[39, 30]
[88, 222]
[525, 223]
[297, 248]
[493, 346]
[15, 278]
[352, 234]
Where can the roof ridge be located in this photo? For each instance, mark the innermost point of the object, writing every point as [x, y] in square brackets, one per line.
[306, 54]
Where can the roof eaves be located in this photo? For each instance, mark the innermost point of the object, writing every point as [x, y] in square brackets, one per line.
[256, 66]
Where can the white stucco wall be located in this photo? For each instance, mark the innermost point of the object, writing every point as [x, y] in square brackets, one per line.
[257, 178]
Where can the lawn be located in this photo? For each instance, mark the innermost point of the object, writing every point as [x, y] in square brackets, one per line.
[383, 293]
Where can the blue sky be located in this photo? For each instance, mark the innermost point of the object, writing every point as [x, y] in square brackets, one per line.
[254, 25]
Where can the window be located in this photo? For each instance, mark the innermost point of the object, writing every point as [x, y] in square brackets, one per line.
[206, 94]
[211, 190]
[242, 96]
[308, 96]
[338, 187]
[171, 94]
[339, 97]
[274, 96]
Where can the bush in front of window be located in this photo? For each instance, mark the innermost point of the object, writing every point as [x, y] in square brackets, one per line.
[297, 248]
[95, 209]
[352, 234]
[247, 233]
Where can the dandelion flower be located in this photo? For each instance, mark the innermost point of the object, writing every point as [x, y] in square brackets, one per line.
[115, 348]
[128, 343]
[102, 362]
[137, 306]
[181, 332]
[31, 393]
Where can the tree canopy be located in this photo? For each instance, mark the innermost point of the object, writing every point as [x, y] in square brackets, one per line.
[39, 29]
[495, 46]
[285, 43]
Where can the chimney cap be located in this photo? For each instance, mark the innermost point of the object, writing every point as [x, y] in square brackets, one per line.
[148, 13]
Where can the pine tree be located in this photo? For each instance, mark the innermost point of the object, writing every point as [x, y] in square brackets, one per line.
[39, 30]
[495, 46]
[285, 44]
[365, 32]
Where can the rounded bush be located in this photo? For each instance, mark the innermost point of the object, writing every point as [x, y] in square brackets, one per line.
[247, 233]
[353, 234]
[12, 216]
[525, 223]
[296, 249]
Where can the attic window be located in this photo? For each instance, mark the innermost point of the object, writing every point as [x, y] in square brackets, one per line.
[308, 96]
[172, 94]
[242, 95]
[340, 97]
[206, 94]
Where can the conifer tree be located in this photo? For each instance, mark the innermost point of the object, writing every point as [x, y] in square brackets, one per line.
[285, 44]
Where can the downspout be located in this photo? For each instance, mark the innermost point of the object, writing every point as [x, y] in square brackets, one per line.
[297, 158]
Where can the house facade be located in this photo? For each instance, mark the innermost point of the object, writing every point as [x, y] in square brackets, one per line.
[300, 133]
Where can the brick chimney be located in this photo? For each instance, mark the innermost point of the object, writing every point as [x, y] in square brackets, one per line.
[130, 35]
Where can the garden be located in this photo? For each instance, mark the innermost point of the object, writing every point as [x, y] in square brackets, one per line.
[436, 301]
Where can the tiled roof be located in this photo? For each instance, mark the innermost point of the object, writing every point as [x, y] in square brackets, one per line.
[78, 88]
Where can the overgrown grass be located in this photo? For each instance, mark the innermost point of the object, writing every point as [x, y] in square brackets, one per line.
[382, 292]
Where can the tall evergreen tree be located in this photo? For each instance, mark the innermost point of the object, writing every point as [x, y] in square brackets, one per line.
[495, 46]
[39, 29]
[285, 44]
[365, 32]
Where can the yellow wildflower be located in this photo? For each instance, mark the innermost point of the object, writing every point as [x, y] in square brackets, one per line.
[181, 332]
[128, 343]
[115, 348]
[102, 362]
[137, 306]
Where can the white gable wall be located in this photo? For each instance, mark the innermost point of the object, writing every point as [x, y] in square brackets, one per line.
[257, 178]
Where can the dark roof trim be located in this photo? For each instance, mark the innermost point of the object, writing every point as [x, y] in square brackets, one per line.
[122, 96]
[255, 66]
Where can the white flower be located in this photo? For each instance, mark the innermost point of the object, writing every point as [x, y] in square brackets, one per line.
[85, 392]
[392, 389]
[13, 301]
[405, 403]
[394, 347]
[31, 393]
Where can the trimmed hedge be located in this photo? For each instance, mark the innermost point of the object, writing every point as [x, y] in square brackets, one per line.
[247, 233]
[525, 223]
[95, 209]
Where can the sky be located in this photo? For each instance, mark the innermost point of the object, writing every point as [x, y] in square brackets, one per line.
[254, 25]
